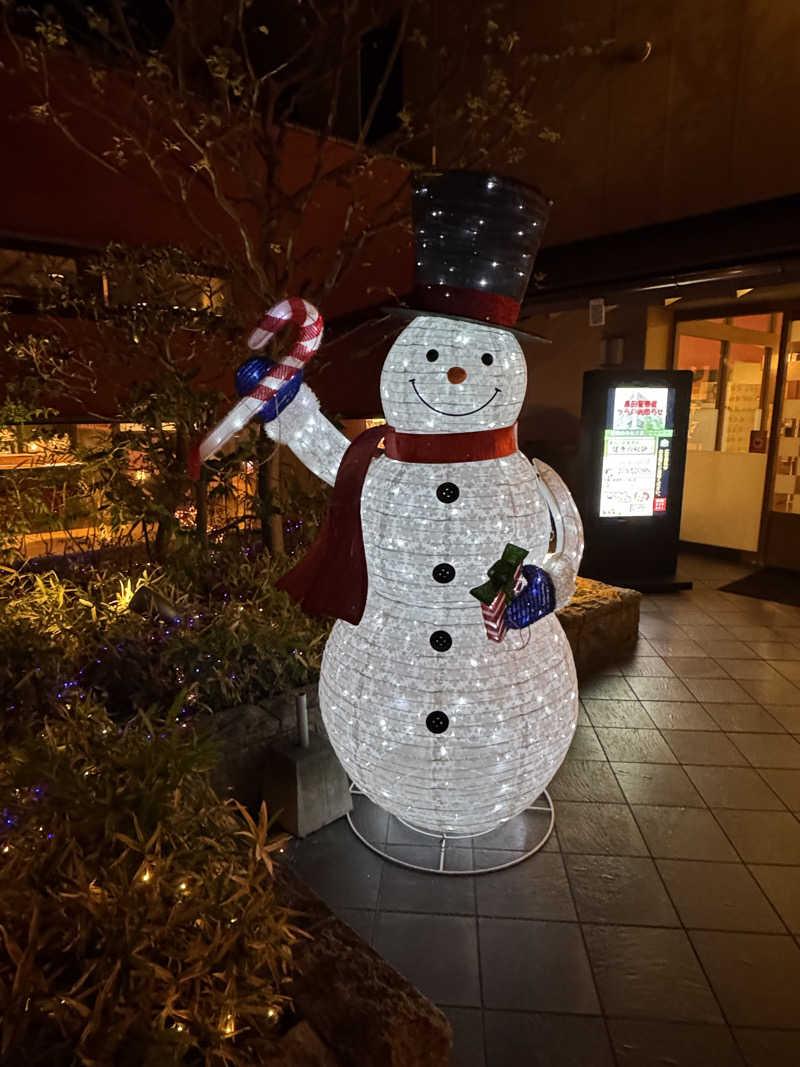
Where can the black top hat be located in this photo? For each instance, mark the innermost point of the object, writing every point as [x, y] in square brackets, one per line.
[476, 237]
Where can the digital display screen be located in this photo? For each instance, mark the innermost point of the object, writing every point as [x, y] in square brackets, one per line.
[637, 449]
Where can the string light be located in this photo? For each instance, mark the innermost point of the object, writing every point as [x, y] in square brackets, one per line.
[435, 723]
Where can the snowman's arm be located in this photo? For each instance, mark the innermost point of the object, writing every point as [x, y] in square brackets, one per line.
[314, 440]
[562, 564]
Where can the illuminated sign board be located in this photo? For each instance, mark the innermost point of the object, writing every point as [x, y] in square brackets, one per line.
[637, 450]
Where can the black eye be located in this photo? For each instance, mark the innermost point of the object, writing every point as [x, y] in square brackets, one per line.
[431, 355]
[487, 358]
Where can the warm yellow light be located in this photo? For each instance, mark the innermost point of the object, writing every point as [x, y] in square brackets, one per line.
[228, 1027]
[146, 875]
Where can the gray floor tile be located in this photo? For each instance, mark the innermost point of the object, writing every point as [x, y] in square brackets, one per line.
[318, 861]
[748, 668]
[720, 648]
[788, 668]
[405, 890]
[772, 691]
[769, 1048]
[679, 715]
[755, 976]
[619, 713]
[734, 787]
[359, 919]
[528, 965]
[619, 889]
[660, 689]
[683, 833]
[743, 717]
[584, 780]
[769, 750]
[640, 1043]
[787, 717]
[696, 667]
[527, 1039]
[517, 834]
[763, 836]
[658, 628]
[717, 690]
[709, 631]
[656, 783]
[751, 633]
[645, 667]
[607, 687]
[437, 953]
[467, 1026]
[649, 973]
[786, 784]
[677, 646]
[718, 896]
[601, 829]
[782, 886]
[775, 649]
[535, 889]
[700, 747]
[585, 745]
[634, 745]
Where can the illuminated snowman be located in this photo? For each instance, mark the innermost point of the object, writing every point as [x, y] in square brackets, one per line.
[437, 714]
[436, 723]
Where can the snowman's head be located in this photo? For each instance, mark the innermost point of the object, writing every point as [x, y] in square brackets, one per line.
[443, 375]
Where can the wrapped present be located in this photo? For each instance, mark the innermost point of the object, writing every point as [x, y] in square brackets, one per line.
[505, 579]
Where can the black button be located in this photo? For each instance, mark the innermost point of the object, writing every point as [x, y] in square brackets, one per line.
[437, 722]
[447, 492]
[443, 573]
[441, 640]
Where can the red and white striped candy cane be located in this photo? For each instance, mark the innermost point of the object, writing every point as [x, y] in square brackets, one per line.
[309, 336]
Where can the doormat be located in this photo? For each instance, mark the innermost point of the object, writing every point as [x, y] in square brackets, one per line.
[772, 583]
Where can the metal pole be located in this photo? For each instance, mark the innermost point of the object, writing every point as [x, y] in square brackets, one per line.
[301, 708]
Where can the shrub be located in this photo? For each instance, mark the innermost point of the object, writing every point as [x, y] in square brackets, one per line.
[71, 638]
[138, 919]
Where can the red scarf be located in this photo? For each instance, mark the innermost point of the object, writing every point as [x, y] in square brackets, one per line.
[332, 578]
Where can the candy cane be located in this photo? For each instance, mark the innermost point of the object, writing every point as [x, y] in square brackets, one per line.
[309, 336]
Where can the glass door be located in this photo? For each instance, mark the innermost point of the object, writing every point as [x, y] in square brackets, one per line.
[781, 536]
[733, 361]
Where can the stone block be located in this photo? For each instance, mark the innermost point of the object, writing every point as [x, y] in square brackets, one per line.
[365, 1011]
[602, 625]
[306, 788]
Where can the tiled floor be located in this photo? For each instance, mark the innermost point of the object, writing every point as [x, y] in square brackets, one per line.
[661, 924]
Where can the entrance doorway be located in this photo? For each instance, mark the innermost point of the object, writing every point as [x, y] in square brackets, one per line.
[780, 540]
[742, 483]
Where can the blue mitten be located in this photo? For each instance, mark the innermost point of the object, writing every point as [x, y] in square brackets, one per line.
[251, 372]
[536, 600]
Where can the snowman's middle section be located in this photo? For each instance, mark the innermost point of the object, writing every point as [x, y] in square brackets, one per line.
[434, 722]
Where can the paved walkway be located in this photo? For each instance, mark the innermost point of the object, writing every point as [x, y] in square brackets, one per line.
[660, 925]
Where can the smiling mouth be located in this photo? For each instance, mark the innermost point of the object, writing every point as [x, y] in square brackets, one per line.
[455, 414]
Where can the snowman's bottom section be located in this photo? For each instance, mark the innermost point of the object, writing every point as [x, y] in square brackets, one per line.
[450, 744]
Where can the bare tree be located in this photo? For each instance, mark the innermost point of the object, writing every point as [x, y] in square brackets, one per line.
[214, 102]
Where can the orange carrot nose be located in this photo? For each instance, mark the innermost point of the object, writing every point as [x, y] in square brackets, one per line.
[456, 375]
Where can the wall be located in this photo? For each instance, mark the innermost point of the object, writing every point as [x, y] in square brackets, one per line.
[702, 124]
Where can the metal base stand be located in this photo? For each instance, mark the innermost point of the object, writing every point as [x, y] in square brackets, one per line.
[442, 853]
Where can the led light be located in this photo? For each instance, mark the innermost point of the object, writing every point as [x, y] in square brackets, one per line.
[508, 710]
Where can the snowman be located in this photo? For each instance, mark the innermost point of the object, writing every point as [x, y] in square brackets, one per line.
[436, 722]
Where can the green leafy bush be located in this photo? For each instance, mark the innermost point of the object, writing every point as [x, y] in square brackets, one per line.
[68, 639]
[138, 917]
